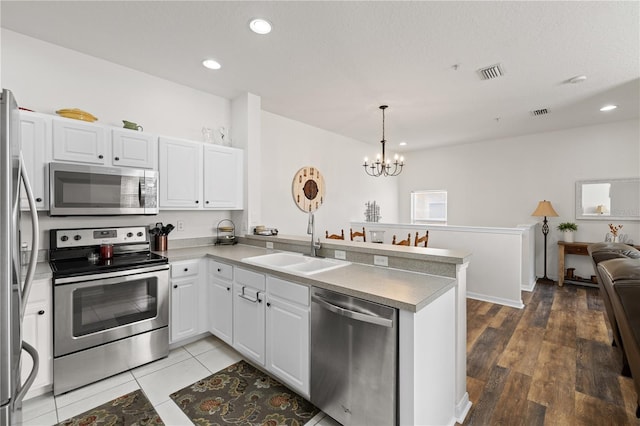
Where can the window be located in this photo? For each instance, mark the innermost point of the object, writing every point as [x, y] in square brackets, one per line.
[429, 207]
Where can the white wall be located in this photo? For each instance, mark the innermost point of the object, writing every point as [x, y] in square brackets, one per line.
[45, 77]
[499, 183]
[288, 145]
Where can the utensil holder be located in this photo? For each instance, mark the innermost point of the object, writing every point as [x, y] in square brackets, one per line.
[161, 243]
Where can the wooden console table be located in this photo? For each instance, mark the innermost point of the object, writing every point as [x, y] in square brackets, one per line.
[569, 248]
[572, 248]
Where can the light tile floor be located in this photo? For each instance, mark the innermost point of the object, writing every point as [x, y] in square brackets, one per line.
[183, 366]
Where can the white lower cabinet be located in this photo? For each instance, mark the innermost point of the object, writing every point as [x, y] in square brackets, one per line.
[185, 300]
[287, 333]
[37, 330]
[220, 298]
[248, 314]
[264, 318]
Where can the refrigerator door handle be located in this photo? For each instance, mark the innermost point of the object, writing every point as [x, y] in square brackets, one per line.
[34, 371]
[35, 238]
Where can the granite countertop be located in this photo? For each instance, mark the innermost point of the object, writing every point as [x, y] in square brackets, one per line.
[400, 289]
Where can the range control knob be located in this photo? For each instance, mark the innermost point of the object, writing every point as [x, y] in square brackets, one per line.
[64, 238]
[129, 234]
[77, 237]
[140, 234]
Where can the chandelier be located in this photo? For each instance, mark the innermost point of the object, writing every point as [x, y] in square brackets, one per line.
[383, 166]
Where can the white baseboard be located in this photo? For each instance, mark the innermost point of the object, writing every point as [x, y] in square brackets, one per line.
[500, 301]
[529, 287]
[462, 408]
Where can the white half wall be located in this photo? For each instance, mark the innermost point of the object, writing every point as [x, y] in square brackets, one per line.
[498, 183]
[500, 263]
[288, 145]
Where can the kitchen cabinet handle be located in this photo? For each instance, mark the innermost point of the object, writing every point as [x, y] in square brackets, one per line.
[117, 158]
[228, 288]
[175, 286]
[41, 312]
[268, 304]
[101, 156]
[186, 269]
[249, 298]
[38, 199]
[197, 201]
[219, 269]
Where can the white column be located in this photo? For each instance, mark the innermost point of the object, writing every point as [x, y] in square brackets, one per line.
[463, 405]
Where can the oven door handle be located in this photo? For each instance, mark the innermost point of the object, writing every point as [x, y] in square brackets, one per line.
[116, 274]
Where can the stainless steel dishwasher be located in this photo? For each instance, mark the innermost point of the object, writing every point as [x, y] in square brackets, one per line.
[354, 352]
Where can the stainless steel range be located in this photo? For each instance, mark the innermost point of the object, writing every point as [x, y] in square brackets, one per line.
[111, 303]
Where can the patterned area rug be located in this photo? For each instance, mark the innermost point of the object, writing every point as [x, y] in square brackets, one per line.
[243, 395]
[133, 409]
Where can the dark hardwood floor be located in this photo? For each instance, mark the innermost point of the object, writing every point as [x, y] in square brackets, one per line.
[550, 363]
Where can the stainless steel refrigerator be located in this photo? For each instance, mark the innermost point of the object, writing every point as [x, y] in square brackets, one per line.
[13, 293]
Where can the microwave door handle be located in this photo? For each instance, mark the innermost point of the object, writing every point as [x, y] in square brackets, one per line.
[142, 189]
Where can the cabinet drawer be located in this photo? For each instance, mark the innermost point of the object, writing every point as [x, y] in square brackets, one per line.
[184, 269]
[582, 250]
[250, 279]
[220, 270]
[296, 293]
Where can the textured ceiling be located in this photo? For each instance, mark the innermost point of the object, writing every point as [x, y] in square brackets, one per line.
[331, 64]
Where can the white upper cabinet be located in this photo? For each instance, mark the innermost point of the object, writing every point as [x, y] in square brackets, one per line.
[35, 136]
[78, 141]
[82, 142]
[223, 174]
[194, 175]
[131, 148]
[180, 169]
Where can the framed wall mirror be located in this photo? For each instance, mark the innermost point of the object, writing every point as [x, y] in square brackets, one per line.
[607, 199]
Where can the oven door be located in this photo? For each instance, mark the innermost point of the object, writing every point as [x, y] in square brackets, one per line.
[97, 309]
[77, 189]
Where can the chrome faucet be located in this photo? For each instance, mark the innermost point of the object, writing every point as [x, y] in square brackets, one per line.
[311, 229]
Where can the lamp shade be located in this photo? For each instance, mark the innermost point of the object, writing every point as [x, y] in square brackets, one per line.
[544, 209]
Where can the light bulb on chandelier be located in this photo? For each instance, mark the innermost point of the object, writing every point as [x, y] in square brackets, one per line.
[383, 166]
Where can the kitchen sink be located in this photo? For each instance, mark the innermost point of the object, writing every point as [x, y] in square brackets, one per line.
[295, 263]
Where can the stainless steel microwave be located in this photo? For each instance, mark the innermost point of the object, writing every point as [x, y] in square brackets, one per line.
[84, 190]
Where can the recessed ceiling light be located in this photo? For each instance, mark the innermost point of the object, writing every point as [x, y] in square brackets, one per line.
[578, 79]
[260, 26]
[608, 107]
[211, 64]
[403, 144]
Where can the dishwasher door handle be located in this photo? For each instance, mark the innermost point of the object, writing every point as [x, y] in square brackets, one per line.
[351, 314]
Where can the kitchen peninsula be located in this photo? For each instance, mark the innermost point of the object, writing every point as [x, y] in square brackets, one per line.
[427, 286]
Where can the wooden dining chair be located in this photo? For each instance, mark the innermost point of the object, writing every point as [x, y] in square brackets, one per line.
[358, 234]
[406, 242]
[424, 239]
[334, 236]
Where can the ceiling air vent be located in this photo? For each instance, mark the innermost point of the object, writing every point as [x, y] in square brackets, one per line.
[489, 73]
[541, 111]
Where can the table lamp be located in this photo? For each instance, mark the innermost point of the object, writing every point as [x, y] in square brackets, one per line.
[545, 209]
